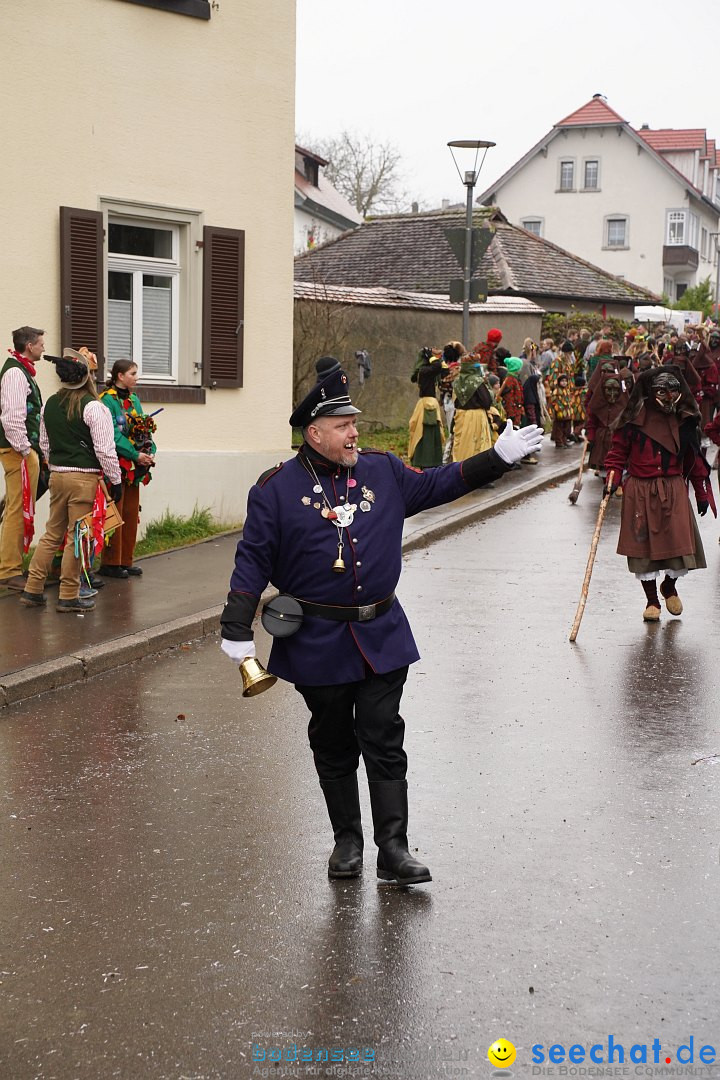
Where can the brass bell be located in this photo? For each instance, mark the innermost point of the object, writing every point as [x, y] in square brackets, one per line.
[339, 566]
[255, 678]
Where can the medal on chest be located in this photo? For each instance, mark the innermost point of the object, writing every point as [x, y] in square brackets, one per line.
[340, 516]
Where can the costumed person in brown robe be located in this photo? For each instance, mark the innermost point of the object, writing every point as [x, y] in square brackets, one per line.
[425, 445]
[706, 362]
[606, 364]
[679, 354]
[608, 402]
[657, 440]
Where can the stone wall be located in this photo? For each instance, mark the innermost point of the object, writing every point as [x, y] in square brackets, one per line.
[393, 337]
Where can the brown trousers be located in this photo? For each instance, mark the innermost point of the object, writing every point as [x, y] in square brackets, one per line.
[11, 530]
[72, 495]
[119, 551]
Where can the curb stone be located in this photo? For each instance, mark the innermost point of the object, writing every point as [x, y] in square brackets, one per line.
[109, 655]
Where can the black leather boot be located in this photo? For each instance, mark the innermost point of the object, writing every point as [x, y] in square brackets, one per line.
[389, 802]
[343, 803]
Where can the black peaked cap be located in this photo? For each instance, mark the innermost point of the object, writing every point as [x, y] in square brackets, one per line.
[329, 396]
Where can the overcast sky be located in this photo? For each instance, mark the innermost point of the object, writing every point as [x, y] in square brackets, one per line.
[419, 73]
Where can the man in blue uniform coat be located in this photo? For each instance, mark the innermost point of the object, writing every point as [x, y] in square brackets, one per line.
[326, 529]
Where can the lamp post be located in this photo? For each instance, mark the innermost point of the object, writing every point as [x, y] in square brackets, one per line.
[469, 179]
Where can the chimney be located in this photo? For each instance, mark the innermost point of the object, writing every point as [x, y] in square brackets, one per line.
[415, 207]
[445, 204]
[645, 127]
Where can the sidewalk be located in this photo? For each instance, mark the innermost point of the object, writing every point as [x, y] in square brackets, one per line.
[181, 595]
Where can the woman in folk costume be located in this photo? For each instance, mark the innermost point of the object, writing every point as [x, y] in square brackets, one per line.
[133, 432]
[472, 432]
[76, 438]
[657, 440]
[609, 400]
[425, 447]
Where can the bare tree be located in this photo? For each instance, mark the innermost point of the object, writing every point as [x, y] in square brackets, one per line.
[322, 327]
[367, 173]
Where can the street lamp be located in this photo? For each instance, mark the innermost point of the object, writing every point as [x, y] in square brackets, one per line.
[469, 179]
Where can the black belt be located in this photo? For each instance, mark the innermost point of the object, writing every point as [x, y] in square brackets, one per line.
[361, 613]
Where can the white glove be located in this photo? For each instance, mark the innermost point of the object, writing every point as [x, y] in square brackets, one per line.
[514, 445]
[238, 650]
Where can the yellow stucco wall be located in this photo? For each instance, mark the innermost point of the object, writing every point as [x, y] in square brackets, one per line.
[108, 99]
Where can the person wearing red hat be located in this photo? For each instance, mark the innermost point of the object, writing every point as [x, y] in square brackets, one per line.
[484, 351]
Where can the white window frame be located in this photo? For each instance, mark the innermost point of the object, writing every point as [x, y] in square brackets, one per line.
[138, 267]
[185, 268]
[530, 219]
[675, 217]
[669, 288]
[566, 161]
[704, 238]
[585, 163]
[611, 218]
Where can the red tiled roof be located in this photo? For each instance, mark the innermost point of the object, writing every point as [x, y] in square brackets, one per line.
[674, 138]
[596, 111]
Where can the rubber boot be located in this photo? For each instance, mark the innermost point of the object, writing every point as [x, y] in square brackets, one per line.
[389, 802]
[669, 591]
[343, 803]
[652, 608]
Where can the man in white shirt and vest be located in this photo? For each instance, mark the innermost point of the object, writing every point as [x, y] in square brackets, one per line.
[20, 404]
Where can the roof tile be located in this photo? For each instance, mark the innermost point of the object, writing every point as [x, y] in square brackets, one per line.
[410, 252]
[596, 111]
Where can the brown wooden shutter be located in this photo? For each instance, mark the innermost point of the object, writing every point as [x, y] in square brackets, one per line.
[223, 306]
[82, 296]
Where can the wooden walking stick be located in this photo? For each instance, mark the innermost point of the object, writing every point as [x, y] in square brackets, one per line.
[591, 559]
[577, 486]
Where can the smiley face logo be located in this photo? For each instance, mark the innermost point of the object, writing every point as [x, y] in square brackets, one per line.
[501, 1054]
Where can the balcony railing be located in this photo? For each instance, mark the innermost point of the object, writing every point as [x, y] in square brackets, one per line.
[680, 255]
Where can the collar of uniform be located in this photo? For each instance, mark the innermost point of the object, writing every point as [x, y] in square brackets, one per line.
[319, 463]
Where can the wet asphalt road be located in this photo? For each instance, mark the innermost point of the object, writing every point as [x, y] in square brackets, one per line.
[164, 898]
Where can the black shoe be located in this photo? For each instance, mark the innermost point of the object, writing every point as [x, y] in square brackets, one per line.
[113, 571]
[96, 582]
[343, 803]
[133, 571]
[31, 599]
[78, 604]
[388, 799]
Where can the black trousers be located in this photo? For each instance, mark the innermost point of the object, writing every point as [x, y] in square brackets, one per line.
[358, 718]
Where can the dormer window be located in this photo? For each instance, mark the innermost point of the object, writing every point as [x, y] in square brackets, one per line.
[311, 171]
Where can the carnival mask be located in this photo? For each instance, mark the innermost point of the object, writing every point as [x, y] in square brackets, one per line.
[666, 392]
[611, 389]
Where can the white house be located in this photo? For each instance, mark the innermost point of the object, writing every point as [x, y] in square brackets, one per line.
[643, 204]
[136, 229]
[321, 212]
